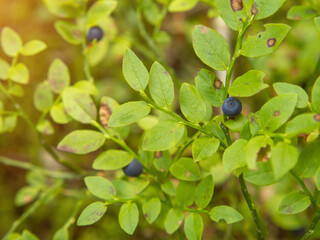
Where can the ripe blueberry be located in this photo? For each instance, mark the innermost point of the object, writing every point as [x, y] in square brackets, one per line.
[95, 33]
[134, 169]
[231, 107]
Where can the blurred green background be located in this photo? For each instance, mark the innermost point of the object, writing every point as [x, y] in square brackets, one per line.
[294, 62]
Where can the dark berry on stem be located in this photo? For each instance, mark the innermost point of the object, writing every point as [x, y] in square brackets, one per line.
[134, 169]
[231, 107]
[95, 33]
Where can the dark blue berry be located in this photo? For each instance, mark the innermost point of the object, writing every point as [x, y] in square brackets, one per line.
[231, 107]
[134, 169]
[95, 33]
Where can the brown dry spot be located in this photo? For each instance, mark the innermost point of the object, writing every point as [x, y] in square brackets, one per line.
[145, 215]
[236, 5]
[104, 113]
[252, 120]
[166, 72]
[158, 154]
[288, 209]
[111, 191]
[316, 117]
[254, 9]
[240, 19]
[297, 17]
[100, 214]
[310, 11]
[172, 131]
[66, 148]
[77, 33]
[188, 174]
[180, 222]
[217, 84]
[271, 42]
[162, 170]
[204, 30]
[276, 113]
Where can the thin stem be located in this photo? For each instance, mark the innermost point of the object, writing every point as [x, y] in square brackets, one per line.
[28, 166]
[252, 207]
[45, 196]
[72, 218]
[86, 65]
[196, 210]
[236, 52]
[313, 225]
[178, 118]
[306, 190]
[42, 141]
[226, 133]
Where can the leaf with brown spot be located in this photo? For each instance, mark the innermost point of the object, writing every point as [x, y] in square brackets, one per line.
[266, 42]
[91, 214]
[264, 9]
[294, 202]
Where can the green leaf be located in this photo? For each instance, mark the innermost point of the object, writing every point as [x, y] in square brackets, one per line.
[173, 220]
[82, 141]
[185, 194]
[58, 114]
[151, 209]
[58, 76]
[253, 147]
[163, 136]
[186, 169]
[266, 42]
[4, 69]
[182, 5]
[248, 84]
[274, 113]
[26, 235]
[11, 42]
[61, 234]
[125, 190]
[168, 188]
[100, 187]
[43, 97]
[233, 156]
[210, 87]
[233, 13]
[129, 217]
[214, 128]
[229, 214]
[263, 176]
[263, 9]
[204, 147]
[283, 88]
[100, 11]
[204, 192]
[69, 32]
[315, 96]
[8, 123]
[211, 47]
[64, 8]
[318, 180]
[79, 105]
[45, 127]
[97, 52]
[162, 161]
[128, 113]
[317, 22]
[283, 158]
[19, 73]
[87, 87]
[191, 103]
[294, 202]
[308, 163]
[304, 123]
[33, 47]
[92, 214]
[301, 13]
[112, 160]
[193, 226]
[134, 71]
[236, 123]
[161, 85]
[26, 195]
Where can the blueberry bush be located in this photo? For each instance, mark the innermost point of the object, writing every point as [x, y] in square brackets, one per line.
[220, 143]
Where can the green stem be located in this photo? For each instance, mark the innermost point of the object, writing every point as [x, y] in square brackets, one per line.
[28, 166]
[306, 190]
[196, 210]
[86, 66]
[178, 118]
[226, 133]
[72, 218]
[42, 141]
[236, 52]
[252, 207]
[313, 225]
[45, 196]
